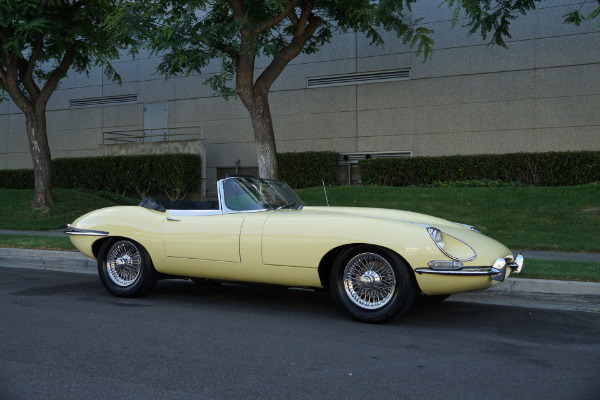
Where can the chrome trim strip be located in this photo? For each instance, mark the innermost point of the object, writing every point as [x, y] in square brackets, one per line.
[467, 271]
[193, 213]
[84, 232]
[225, 210]
[471, 227]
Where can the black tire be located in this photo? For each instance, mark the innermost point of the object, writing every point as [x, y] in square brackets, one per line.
[125, 268]
[436, 298]
[372, 284]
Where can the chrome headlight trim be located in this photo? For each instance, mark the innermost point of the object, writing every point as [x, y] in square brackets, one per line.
[438, 237]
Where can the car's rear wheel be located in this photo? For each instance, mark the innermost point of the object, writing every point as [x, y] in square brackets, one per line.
[125, 268]
[372, 284]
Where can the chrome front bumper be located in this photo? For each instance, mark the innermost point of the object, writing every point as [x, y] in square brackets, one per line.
[496, 271]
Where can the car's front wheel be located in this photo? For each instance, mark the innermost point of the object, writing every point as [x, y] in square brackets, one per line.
[372, 284]
[125, 268]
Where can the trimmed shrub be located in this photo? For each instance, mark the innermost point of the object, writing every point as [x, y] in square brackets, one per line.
[17, 179]
[539, 169]
[172, 174]
[309, 168]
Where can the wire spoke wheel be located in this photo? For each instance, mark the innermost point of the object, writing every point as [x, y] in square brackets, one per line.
[369, 281]
[372, 284]
[125, 268]
[124, 263]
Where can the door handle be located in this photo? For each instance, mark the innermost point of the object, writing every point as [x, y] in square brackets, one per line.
[172, 219]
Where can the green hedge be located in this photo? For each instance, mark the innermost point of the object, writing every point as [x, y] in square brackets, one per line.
[172, 174]
[309, 168]
[539, 169]
[17, 179]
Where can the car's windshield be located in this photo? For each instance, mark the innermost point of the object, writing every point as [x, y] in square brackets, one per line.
[248, 194]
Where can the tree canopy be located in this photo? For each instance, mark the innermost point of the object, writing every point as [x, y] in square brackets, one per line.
[493, 18]
[189, 34]
[40, 41]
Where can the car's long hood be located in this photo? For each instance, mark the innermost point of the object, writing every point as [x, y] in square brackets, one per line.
[481, 244]
[397, 215]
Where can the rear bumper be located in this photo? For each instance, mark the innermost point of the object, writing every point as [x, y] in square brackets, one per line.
[496, 271]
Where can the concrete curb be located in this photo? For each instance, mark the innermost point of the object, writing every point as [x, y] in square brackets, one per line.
[520, 285]
[47, 259]
[77, 262]
[539, 293]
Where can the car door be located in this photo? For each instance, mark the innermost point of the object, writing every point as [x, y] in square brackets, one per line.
[202, 236]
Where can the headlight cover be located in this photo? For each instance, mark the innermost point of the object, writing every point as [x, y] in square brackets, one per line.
[452, 247]
[437, 237]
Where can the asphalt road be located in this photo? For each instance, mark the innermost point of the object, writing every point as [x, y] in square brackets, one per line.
[63, 337]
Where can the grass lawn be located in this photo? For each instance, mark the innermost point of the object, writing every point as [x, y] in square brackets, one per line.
[531, 218]
[561, 270]
[37, 242]
[16, 209]
[528, 218]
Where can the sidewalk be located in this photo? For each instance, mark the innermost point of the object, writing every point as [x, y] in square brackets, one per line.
[56, 232]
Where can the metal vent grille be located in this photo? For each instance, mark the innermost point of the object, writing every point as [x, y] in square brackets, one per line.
[358, 79]
[353, 158]
[104, 101]
[348, 172]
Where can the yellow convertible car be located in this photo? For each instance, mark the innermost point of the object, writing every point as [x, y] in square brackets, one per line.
[375, 262]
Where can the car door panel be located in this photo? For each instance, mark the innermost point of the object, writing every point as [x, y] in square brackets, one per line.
[203, 237]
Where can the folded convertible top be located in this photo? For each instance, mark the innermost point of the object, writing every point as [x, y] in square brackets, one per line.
[164, 205]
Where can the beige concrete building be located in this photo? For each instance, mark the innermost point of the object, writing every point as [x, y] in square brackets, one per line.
[541, 94]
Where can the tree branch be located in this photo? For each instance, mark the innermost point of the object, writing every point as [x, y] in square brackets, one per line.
[287, 10]
[2, 77]
[10, 81]
[56, 76]
[35, 53]
[26, 76]
[238, 9]
[293, 18]
[287, 53]
[306, 14]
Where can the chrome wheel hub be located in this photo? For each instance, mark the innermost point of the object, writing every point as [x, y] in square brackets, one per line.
[124, 263]
[369, 281]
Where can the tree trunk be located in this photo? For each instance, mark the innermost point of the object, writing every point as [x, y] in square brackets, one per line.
[264, 136]
[40, 155]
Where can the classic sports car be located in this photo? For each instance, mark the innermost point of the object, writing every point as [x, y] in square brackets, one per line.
[374, 261]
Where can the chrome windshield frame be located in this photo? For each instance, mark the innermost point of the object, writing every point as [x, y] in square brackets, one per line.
[227, 210]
